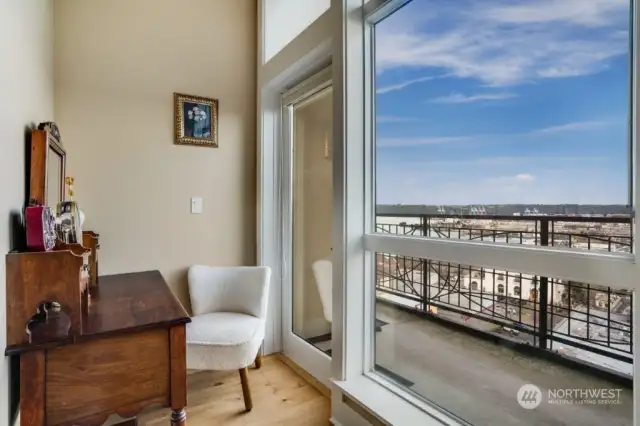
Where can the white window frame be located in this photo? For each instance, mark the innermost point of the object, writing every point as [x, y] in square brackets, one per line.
[355, 243]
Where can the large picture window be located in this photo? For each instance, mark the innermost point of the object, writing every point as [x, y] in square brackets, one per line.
[502, 190]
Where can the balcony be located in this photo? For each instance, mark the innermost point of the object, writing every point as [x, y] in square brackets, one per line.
[468, 337]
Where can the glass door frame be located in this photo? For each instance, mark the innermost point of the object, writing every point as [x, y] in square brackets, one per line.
[311, 359]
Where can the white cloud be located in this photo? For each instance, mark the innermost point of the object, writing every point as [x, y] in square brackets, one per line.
[576, 126]
[406, 83]
[458, 98]
[502, 43]
[393, 119]
[506, 161]
[524, 177]
[591, 13]
[510, 166]
[396, 142]
[512, 182]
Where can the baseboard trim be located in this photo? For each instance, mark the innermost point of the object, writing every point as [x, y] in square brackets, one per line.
[305, 375]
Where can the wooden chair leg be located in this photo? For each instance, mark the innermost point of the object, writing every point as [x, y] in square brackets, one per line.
[258, 361]
[246, 392]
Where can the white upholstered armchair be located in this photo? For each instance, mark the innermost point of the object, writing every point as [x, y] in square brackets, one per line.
[229, 315]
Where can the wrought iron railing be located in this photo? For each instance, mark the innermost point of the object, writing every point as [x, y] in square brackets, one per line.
[591, 323]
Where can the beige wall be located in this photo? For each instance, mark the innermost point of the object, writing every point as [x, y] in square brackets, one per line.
[314, 201]
[26, 98]
[118, 63]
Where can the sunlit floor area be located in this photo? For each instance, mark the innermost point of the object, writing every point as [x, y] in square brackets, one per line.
[478, 380]
[280, 397]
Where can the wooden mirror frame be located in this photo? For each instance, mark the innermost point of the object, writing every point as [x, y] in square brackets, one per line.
[43, 139]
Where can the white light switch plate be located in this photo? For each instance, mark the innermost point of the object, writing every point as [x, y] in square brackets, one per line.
[196, 205]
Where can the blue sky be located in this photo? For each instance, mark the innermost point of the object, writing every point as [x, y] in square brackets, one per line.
[503, 101]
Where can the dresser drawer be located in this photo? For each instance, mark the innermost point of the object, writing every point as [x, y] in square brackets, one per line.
[100, 376]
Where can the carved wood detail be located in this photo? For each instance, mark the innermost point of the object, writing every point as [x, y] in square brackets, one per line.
[36, 277]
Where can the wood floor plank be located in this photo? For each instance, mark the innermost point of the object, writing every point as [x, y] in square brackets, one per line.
[280, 397]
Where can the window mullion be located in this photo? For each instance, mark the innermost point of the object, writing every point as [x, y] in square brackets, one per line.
[615, 271]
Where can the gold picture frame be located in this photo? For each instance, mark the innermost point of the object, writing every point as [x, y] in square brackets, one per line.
[196, 120]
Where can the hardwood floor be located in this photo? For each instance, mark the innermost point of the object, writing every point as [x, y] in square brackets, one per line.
[280, 397]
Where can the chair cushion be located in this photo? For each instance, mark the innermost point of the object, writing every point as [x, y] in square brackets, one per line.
[223, 341]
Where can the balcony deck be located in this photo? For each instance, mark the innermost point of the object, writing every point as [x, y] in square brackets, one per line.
[478, 380]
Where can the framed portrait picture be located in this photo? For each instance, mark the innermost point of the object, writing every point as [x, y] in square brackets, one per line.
[196, 120]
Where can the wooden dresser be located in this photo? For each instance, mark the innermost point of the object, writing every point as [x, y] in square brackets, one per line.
[127, 351]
